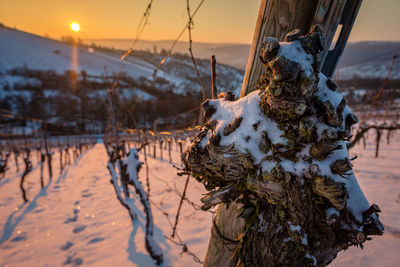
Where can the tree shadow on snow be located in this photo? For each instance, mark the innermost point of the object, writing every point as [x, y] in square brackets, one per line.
[63, 175]
[144, 259]
[12, 222]
[5, 180]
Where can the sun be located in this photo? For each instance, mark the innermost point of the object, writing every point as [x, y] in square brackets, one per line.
[75, 27]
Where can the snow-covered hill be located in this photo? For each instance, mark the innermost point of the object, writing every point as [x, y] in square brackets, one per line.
[369, 59]
[19, 48]
[232, 54]
[35, 75]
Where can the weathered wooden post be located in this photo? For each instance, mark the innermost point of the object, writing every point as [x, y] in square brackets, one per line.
[275, 19]
[49, 155]
[169, 149]
[283, 198]
[16, 154]
[28, 168]
[278, 17]
[161, 148]
[214, 93]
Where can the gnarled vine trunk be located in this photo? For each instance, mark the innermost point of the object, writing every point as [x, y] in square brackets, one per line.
[277, 161]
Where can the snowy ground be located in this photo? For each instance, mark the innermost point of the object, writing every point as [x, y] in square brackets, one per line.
[380, 180]
[77, 219]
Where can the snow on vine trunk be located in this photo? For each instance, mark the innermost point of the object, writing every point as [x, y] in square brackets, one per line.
[277, 160]
[133, 166]
[124, 171]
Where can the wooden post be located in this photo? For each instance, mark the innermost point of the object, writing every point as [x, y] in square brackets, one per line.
[169, 150]
[278, 17]
[328, 15]
[275, 19]
[213, 78]
[161, 148]
[332, 19]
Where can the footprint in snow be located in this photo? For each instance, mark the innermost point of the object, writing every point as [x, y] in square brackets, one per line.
[74, 262]
[96, 240]
[66, 246]
[78, 261]
[38, 210]
[76, 211]
[79, 229]
[19, 238]
[72, 219]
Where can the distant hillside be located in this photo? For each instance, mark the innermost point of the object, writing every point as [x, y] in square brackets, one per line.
[362, 59]
[19, 48]
[38, 79]
[227, 53]
[369, 60]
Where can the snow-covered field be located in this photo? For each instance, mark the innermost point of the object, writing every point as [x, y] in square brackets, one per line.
[379, 179]
[77, 219]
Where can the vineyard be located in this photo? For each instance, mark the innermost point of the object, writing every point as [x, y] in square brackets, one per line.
[127, 157]
[76, 217]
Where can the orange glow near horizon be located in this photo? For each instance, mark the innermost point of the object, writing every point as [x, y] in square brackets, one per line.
[222, 21]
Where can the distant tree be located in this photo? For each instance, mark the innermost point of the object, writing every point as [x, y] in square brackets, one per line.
[6, 102]
[36, 105]
[164, 52]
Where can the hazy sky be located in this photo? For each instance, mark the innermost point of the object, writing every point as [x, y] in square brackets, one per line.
[216, 21]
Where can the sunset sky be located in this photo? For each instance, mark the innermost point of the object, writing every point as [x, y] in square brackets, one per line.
[216, 21]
